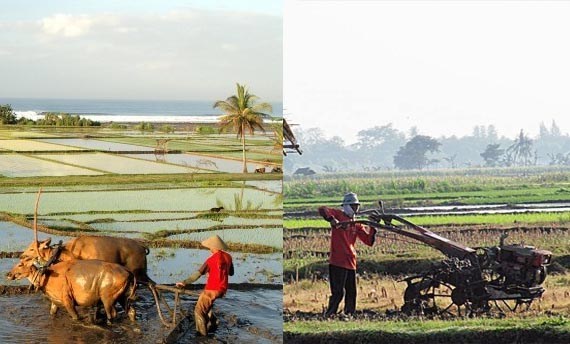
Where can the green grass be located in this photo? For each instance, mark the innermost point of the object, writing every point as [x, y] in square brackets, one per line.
[512, 330]
[467, 219]
[420, 326]
[180, 178]
[512, 196]
[203, 143]
[402, 189]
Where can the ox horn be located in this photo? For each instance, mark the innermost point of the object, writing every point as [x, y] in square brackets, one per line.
[36, 242]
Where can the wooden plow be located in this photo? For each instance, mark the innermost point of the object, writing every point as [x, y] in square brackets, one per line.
[175, 313]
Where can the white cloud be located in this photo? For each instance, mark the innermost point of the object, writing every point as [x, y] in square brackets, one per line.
[177, 55]
[66, 25]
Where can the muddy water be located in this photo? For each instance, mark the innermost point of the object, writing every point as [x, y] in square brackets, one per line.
[253, 316]
[168, 266]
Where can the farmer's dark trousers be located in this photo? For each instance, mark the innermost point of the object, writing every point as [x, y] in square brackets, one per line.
[343, 284]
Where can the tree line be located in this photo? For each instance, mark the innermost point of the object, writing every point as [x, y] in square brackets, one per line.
[59, 119]
[386, 148]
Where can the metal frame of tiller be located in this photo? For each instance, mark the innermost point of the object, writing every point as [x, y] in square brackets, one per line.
[469, 278]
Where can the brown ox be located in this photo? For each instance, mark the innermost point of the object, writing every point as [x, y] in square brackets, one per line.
[83, 283]
[123, 251]
[126, 252]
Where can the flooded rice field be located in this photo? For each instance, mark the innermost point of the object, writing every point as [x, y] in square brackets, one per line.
[250, 216]
[486, 209]
[168, 216]
[201, 161]
[16, 238]
[261, 236]
[247, 316]
[92, 144]
[15, 165]
[194, 199]
[250, 312]
[32, 145]
[117, 164]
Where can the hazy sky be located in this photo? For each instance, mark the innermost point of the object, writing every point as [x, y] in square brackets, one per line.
[443, 66]
[141, 49]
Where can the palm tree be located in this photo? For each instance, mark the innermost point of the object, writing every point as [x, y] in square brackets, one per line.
[277, 139]
[242, 113]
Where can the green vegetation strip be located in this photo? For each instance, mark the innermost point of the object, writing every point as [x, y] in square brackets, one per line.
[540, 194]
[134, 179]
[374, 184]
[467, 219]
[512, 330]
[169, 232]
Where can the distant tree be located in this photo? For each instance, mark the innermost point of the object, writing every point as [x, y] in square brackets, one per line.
[492, 154]
[413, 154]
[452, 160]
[413, 131]
[520, 152]
[243, 114]
[7, 116]
[543, 131]
[144, 127]
[555, 130]
[205, 130]
[479, 131]
[166, 128]
[26, 121]
[559, 159]
[476, 131]
[117, 126]
[377, 136]
[492, 133]
[62, 119]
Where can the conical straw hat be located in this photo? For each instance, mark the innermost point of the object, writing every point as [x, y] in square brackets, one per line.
[215, 242]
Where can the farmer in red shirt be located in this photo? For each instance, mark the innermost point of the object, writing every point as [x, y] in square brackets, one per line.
[342, 261]
[218, 266]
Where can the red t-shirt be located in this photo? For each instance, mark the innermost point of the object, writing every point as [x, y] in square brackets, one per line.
[343, 253]
[219, 266]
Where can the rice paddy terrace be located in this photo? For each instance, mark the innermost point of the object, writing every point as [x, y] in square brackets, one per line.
[105, 182]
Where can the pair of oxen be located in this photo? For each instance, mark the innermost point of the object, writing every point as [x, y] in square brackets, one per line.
[86, 271]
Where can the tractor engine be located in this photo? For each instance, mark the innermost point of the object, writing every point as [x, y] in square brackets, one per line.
[522, 265]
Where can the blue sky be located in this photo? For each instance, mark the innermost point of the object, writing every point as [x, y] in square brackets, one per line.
[186, 50]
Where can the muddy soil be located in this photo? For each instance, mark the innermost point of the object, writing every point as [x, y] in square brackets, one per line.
[245, 316]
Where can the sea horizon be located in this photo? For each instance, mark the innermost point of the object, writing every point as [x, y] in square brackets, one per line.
[123, 110]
